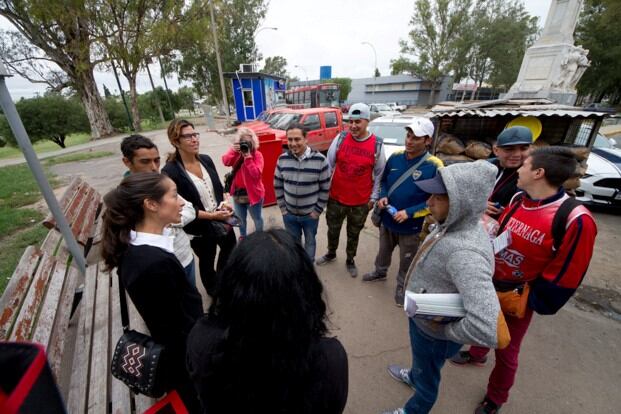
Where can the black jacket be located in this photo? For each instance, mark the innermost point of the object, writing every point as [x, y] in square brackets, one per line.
[185, 187]
[506, 186]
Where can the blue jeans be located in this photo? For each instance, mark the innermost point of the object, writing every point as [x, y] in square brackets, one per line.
[296, 225]
[428, 357]
[190, 273]
[242, 211]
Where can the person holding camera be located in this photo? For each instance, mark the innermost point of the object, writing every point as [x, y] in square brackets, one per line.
[247, 187]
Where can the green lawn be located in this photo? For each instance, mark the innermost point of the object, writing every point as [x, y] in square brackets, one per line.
[13, 247]
[45, 146]
[78, 156]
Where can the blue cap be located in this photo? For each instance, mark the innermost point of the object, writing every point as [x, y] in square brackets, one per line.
[433, 185]
[517, 135]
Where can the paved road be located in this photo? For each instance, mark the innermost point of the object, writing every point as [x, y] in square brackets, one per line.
[571, 362]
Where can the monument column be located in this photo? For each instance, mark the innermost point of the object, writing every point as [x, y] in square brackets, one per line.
[552, 67]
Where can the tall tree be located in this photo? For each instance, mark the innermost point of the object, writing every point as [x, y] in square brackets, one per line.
[344, 87]
[599, 31]
[275, 65]
[236, 21]
[435, 30]
[133, 31]
[53, 45]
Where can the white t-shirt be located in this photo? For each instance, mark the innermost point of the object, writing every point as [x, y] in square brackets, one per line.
[204, 186]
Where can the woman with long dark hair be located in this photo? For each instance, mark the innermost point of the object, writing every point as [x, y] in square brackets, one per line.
[198, 182]
[263, 347]
[137, 242]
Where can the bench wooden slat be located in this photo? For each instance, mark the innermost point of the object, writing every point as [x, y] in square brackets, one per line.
[120, 394]
[57, 341]
[15, 292]
[72, 206]
[51, 242]
[78, 388]
[86, 219]
[43, 330]
[100, 355]
[135, 322]
[64, 200]
[29, 311]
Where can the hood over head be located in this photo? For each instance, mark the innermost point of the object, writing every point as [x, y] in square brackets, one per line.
[468, 186]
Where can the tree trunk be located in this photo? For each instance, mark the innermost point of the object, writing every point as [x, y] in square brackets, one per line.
[432, 94]
[93, 105]
[134, 102]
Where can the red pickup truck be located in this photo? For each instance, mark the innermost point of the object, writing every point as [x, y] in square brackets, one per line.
[322, 124]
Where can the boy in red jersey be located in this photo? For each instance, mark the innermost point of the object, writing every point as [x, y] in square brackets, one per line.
[553, 272]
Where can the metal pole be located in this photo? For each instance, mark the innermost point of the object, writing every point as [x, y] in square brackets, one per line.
[155, 97]
[35, 166]
[375, 69]
[215, 41]
[118, 82]
[166, 86]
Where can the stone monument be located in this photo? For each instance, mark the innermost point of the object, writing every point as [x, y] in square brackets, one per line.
[552, 67]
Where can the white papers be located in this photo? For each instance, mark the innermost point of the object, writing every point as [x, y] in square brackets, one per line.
[437, 306]
[502, 242]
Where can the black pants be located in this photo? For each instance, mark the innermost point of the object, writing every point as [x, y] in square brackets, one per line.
[205, 249]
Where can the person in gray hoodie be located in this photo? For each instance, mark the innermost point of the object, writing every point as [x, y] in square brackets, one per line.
[456, 257]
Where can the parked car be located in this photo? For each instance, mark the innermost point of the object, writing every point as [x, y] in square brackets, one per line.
[381, 109]
[323, 125]
[392, 130]
[601, 185]
[396, 107]
[600, 107]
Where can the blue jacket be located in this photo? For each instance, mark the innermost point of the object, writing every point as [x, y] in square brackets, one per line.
[407, 196]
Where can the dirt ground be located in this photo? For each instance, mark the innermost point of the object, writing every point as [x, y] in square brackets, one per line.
[570, 362]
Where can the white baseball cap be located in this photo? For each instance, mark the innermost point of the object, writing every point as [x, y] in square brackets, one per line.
[359, 111]
[421, 127]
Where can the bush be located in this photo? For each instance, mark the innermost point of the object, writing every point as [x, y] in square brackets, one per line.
[50, 117]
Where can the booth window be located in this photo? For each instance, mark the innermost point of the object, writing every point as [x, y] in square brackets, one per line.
[330, 118]
[248, 97]
[312, 122]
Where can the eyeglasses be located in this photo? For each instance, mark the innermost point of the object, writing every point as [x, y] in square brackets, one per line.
[188, 137]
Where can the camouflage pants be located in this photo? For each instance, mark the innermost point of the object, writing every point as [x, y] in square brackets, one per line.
[356, 216]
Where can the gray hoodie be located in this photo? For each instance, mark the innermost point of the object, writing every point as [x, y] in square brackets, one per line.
[461, 258]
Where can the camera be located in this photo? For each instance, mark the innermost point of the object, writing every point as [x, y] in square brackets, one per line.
[244, 147]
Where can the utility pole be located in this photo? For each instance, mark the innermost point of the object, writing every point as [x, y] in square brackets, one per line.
[155, 97]
[118, 82]
[222, 87]
[166, 86]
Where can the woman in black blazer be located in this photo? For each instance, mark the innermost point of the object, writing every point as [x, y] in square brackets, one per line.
[198, 182]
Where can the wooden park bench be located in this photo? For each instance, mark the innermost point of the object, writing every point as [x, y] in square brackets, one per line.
[42, 295]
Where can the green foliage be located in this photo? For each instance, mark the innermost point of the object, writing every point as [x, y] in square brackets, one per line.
[599, 31]
[236, 21]
[148, 107]
[107, 92]
[51, 117]
[377, 73]
[276, 65]
[116, 113]
[344, 85]
[184, 99]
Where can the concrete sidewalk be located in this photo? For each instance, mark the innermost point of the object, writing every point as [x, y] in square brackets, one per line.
[570, 363]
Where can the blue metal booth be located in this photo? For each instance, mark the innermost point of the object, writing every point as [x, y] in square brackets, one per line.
[255, 92]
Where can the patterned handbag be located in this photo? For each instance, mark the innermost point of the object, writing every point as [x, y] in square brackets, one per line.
[137, 357]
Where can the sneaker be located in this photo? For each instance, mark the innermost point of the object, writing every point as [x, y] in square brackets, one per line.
[487, 406]
[326, 258]
[351, 267]
[373, 277]
[397, 411]
[400, 374]
[464, 358]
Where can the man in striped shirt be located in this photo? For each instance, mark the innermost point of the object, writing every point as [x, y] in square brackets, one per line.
[301, 182]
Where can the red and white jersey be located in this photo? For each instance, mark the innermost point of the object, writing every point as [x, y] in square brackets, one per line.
[531, 251]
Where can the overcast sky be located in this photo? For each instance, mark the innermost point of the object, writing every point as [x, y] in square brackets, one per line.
[311, 33]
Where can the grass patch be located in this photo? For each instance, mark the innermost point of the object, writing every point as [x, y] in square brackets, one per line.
[80, 156]
[41, 147]
[18, 187]
[16, 218]
[13, 247]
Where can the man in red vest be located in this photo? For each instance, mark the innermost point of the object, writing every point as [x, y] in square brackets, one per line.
[357, 161]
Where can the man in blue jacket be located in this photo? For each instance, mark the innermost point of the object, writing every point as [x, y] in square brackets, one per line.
[398, 189]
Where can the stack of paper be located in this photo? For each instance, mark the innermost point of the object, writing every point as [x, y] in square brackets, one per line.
[439, 307]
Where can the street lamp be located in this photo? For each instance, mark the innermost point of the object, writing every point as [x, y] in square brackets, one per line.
[305, 74]
[219, 62]
[375, 68]
[259, 30]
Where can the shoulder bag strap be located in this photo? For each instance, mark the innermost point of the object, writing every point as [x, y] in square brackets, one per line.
[559, 222]
[123, 299]
[406, 174]
[516, 205]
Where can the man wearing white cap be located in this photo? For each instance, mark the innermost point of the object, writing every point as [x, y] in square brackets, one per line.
[357, 161]
[401, 226]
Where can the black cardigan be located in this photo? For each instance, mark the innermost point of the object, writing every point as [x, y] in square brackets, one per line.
[185, 187]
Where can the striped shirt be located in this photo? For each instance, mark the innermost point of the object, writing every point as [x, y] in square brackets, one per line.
[302, 184]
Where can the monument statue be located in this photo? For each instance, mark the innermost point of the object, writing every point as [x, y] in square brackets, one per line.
[552, 67]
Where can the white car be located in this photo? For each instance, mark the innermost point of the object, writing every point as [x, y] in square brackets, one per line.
[381, 109]
[392, 130]
[601, 185]
[396, 107]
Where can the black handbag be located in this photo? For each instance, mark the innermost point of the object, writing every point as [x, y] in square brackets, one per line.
[137, 358]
